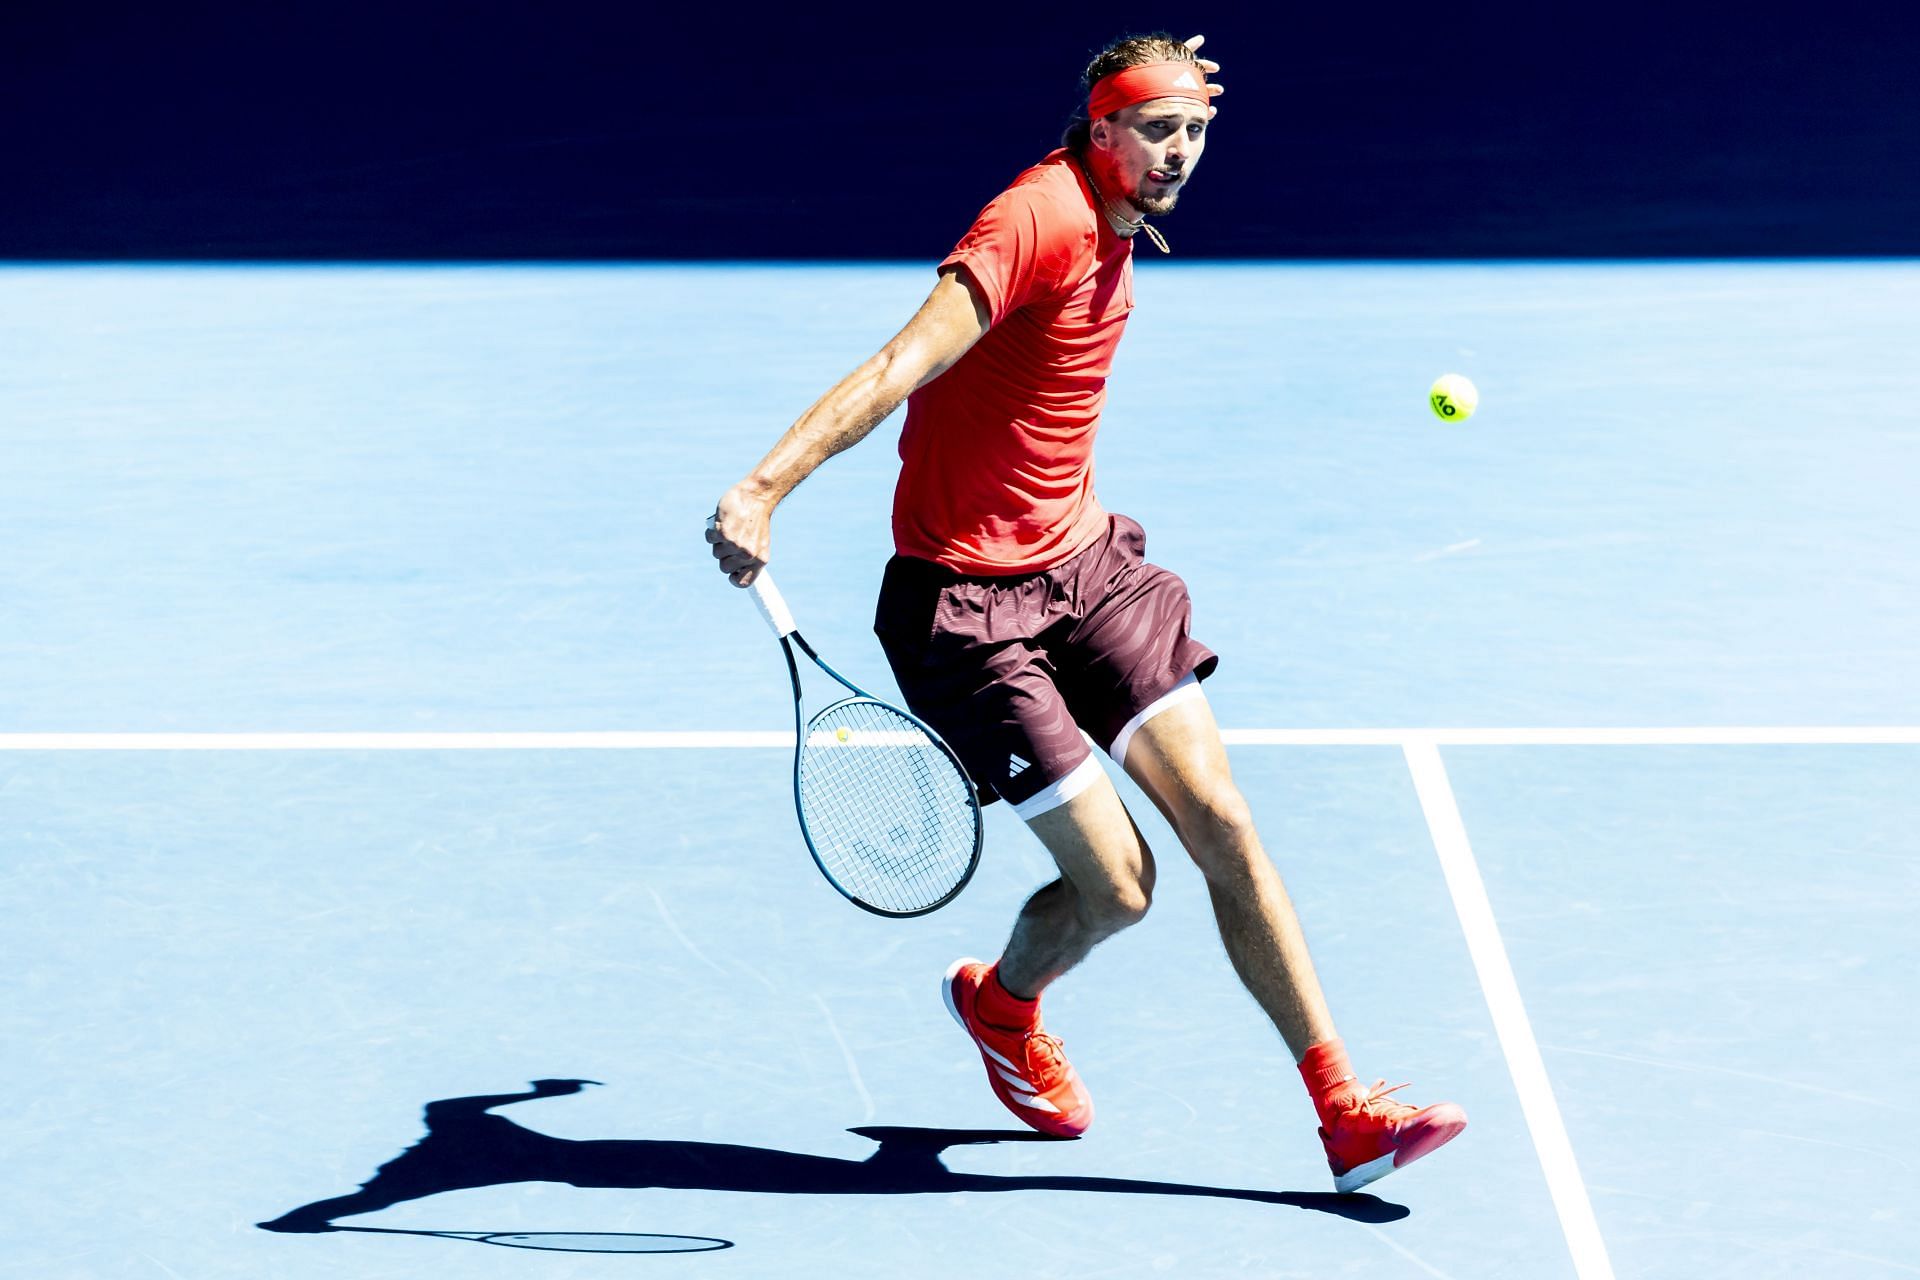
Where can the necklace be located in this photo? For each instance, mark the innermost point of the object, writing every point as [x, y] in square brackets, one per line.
[1136, 224]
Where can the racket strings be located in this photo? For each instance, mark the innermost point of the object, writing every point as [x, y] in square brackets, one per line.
[888, 814]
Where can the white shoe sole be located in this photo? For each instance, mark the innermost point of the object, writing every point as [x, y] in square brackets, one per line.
[1371, 1171]
[1448, 1122]
[946, 992]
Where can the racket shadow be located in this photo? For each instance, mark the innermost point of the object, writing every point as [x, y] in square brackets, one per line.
[467, 1146]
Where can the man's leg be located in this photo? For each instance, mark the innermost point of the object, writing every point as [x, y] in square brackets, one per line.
[1179, 761]
[1105, 884]
[1177, 757]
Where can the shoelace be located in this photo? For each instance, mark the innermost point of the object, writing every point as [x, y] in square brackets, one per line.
[1375, 1103]
[1047, 1060]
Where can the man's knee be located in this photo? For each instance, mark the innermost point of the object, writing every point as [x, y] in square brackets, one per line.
[1115, 905]
[1217, 827]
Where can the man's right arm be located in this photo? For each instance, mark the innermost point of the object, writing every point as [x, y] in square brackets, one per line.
[949, 322]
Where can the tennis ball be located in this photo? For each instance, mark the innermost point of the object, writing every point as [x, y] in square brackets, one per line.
[1453, 398]
[841, 733]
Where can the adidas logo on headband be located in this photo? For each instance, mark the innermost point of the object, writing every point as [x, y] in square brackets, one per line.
[1141, 84]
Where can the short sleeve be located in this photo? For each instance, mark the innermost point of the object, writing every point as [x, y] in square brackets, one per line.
[1019, 251]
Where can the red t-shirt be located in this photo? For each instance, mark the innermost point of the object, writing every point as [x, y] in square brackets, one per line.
[997, 453]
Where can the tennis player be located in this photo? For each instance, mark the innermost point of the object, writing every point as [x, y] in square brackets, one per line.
[1024, 623]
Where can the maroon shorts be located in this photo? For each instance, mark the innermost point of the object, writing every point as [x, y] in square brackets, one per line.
[1010, 670]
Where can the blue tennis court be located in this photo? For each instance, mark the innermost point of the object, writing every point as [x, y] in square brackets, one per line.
[320, 582]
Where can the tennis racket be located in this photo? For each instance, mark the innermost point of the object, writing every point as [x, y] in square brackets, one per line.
[885, 807]
[567, 1241]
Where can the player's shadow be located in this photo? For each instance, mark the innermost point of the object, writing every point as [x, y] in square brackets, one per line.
[468, 1146]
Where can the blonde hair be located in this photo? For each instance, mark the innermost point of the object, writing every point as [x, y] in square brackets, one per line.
[1129, 51]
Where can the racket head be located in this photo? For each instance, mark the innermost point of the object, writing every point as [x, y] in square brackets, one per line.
[886, 808]
[564, 1241]
[603, 1242]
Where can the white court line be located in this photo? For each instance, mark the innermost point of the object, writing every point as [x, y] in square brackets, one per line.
[1421, 747]
[1658, 736]
[627, 740]
[1489, 954]
[351, 741]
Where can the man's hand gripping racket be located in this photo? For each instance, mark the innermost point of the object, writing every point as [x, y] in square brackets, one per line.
[885, 807]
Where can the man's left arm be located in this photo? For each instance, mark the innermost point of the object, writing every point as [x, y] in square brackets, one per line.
[949, 322]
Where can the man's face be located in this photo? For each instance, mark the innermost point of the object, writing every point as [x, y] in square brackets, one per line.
[1148, 150]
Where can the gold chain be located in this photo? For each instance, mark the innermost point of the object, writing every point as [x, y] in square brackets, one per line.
[1137, 224]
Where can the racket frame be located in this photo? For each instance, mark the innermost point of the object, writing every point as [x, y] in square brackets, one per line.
[773, 607]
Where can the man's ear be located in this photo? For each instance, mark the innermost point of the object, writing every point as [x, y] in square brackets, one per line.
[1100, 134]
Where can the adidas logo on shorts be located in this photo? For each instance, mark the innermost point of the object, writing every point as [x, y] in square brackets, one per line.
[1016, 766]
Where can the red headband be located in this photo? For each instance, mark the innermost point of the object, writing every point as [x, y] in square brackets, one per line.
[1143, 84]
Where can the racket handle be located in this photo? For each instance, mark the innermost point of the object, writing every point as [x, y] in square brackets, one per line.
[772, 607]
[767, 597]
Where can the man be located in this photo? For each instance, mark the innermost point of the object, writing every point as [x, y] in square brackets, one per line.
[1019, 617]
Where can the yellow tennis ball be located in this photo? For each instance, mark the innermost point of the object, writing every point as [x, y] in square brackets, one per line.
[841, 733]
[1453, 398]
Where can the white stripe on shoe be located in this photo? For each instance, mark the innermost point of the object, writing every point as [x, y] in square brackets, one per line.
[988, 1050]
[1035, 1101]
[1019, 1089]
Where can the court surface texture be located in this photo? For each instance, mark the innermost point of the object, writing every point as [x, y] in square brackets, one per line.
[375, 733]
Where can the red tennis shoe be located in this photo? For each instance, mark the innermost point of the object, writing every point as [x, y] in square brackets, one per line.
[1026, 1068]
[1367, 1136]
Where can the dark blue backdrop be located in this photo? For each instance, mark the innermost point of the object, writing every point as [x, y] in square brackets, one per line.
[564, 130]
